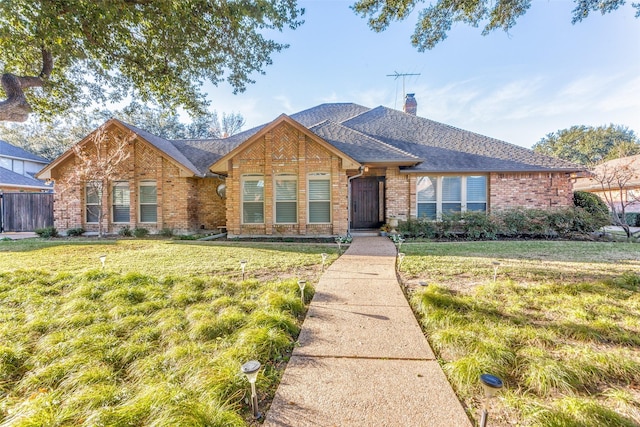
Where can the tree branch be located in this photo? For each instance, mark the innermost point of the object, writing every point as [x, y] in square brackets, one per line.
[16, 108]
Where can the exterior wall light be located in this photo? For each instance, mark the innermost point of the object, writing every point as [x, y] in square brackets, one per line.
[250, 370]
[491, 385]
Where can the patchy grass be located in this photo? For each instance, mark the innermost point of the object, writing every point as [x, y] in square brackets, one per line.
[156, 338]
[560, 325]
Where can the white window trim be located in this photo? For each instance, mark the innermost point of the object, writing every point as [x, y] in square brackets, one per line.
[147, 184]
[463, 194]
[113, 186]
[243, 179]
[284, 177]
[319, 176]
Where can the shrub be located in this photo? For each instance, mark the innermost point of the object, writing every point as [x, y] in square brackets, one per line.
[479, 225]
[166, 232]
[47, 232]
[140, 232]
[590, 202]
[74, 232]
[417, 228]
[125, 231]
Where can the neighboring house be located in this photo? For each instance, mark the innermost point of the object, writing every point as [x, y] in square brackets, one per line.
[322, 171]
[616, 182]
[18, 168]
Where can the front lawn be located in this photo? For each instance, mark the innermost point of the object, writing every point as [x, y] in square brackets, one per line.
[560, 325]
[157, 337]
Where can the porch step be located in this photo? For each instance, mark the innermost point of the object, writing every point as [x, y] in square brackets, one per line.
[365, 233]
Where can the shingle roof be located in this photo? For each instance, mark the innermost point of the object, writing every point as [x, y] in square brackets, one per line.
[447, 148]
[8, 150]
[10, 178]
[380, 135]
[359, 146]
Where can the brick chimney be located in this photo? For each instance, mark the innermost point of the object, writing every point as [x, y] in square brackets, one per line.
[410, 104]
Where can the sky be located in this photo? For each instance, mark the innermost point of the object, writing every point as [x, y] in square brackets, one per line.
[544, 75]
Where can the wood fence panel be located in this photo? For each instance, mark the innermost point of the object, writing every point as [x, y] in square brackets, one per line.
[26, 211]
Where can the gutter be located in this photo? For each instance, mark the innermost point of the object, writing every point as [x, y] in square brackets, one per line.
[351, 178]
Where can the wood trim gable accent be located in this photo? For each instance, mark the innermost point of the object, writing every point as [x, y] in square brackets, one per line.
[45, 173]
[222, 165]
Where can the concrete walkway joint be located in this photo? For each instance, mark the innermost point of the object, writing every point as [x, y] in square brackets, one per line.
[362, 358]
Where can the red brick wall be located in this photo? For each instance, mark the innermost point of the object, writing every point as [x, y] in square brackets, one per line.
[530, 190]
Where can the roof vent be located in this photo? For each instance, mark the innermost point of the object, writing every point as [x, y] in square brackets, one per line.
[410, 104]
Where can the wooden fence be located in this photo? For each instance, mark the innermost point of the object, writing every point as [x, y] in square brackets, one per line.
[25, 211]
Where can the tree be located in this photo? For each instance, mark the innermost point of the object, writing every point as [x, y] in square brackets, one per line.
[49, 139]
[98, 162]
[59, 55]
[616, 180]
[436, 19]
[587, 145]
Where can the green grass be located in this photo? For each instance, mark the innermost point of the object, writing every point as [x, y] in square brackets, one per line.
[156, 338]
[560, 325]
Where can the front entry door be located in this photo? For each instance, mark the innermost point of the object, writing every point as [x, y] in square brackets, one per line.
[365, 202]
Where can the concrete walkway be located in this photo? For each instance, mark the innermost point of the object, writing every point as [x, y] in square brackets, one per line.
[363, 360]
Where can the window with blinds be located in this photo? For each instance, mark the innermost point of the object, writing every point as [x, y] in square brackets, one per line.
[148, 199]
[477, 193]
[120, 202]
[437, 195]
[319, 198]
[286, 194]
[252, 199]
[427, 194]
[92, 195]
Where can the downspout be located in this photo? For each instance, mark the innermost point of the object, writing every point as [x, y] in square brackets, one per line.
[351, 178]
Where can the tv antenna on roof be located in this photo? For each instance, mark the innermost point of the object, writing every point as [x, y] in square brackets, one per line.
[403, 75]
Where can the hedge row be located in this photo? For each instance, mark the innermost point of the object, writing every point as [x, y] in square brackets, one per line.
[516, 223]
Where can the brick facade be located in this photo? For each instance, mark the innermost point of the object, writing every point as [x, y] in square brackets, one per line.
[185, 203]
[286, 150]
[539, 190]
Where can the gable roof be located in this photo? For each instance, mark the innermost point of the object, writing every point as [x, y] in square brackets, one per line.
[9, 150]
[220, 166]
[13, 179]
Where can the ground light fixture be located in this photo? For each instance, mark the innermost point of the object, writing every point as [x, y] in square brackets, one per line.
[250, 370]
[400, 258]
[496, 264]
[324, 259]
[103, 259]
[491, 385]
[301, 285]
[243, 265]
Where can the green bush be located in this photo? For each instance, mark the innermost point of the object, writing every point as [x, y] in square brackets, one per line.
[47, 232]
[166, 232]
[74, 232]
[479, 225]
[590, 202]
[140, 232]
[417, 228]
[125, 231]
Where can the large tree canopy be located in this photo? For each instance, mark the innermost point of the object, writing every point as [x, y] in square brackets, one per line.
[588, 145]
[435, 21]
[59, 54]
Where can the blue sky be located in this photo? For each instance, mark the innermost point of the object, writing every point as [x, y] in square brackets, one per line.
[544, 75]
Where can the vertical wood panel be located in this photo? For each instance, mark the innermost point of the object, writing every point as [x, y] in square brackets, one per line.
[27, 211]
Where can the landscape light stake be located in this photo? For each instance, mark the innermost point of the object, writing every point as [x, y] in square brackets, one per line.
[400, 258]
[496, 264]
[103, 259]
[491, 385]
[250, 370]
[243, 264]
[324, 259]
[301, 285]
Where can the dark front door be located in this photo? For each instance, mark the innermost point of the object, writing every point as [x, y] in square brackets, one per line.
[365, 202]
